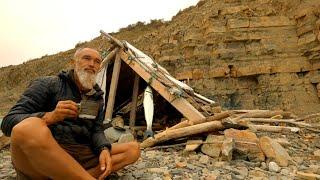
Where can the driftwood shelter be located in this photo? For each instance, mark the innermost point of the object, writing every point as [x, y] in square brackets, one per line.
[120, 77]
[126, 71]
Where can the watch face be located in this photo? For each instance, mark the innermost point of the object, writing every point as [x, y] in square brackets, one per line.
[88, 109]
[104, 148]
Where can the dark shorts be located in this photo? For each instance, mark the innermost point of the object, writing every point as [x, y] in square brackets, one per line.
[83, 154]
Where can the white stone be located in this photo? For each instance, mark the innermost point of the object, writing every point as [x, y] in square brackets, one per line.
[113, 134]
[204, 159]
[285, 172]
[274, 167]
[317, 153]
[125, 138]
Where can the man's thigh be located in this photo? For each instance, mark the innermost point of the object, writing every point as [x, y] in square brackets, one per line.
[22, 163]
[19, 159]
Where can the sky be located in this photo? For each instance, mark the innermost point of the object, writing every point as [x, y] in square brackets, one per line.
[33, 28]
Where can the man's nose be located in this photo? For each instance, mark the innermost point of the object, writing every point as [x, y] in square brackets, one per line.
[91, 63]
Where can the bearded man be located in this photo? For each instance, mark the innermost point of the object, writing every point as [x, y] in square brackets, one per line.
[50, 140]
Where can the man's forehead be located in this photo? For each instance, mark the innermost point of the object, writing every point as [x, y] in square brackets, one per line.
[88, 51]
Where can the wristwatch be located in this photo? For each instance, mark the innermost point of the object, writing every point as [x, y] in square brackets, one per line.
[105, 147]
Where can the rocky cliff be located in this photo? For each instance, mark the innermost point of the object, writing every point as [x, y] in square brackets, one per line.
[246, 54]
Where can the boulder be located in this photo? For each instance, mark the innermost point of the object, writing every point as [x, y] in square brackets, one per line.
[125, 138]
[193, 145]
[213, 148]
[274, 151]
[246, 144]
[227, 149]
[113, 134]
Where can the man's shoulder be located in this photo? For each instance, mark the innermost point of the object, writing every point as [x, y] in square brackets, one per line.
[47, 79]
[61, 75]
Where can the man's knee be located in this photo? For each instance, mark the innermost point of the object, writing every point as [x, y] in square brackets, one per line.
[134, 149]
[31, 131]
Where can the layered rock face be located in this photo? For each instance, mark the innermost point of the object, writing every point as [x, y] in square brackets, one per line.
[246, 54]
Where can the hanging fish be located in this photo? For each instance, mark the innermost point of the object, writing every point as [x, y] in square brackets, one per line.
[148, 111]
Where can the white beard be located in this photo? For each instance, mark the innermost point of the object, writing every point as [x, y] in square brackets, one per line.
[87, 80]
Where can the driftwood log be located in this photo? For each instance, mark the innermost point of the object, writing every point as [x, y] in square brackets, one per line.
[310, 116]
[267, 128]
[268, 120]
[249, 110]
[112, 40]
[135, 93]
[215, 117]
[264, 114]
[113, 88]
[214, 123]
[182, 132]
[143, 128]
[109, 57]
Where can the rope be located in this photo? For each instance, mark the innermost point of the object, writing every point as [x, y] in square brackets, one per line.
[153, 76]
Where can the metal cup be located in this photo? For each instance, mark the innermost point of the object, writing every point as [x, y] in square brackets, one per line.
[88, 109]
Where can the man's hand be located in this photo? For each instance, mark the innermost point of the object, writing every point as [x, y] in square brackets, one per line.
[105, 163]
[64, 109]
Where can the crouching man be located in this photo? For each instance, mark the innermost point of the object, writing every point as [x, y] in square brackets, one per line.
[50, 140]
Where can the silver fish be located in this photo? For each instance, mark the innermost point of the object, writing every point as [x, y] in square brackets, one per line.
[148, 111]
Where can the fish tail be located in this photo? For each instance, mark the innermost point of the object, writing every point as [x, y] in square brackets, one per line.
[148, 133]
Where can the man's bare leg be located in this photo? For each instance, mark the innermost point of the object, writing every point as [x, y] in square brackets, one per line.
[36, 153]
[122, 155]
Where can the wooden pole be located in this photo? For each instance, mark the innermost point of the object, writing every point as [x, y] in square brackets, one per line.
[279, 129]
[113, 88]
[268, 120]
[215, 117]
[249, 110]
[143, 128]
[263, 114]
[112, 39]
[134, 101]
[310, 116]
[109, 57]
[182, 132]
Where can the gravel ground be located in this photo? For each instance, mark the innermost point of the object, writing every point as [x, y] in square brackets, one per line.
[175, 163]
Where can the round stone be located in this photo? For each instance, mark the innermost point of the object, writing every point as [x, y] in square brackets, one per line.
[273, 167]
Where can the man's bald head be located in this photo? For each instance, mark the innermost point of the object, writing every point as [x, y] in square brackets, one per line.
[79, 53]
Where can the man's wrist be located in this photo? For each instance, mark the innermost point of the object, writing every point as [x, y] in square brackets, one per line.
[47, 118]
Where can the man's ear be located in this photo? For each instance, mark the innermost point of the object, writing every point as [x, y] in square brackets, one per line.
[71, 63]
